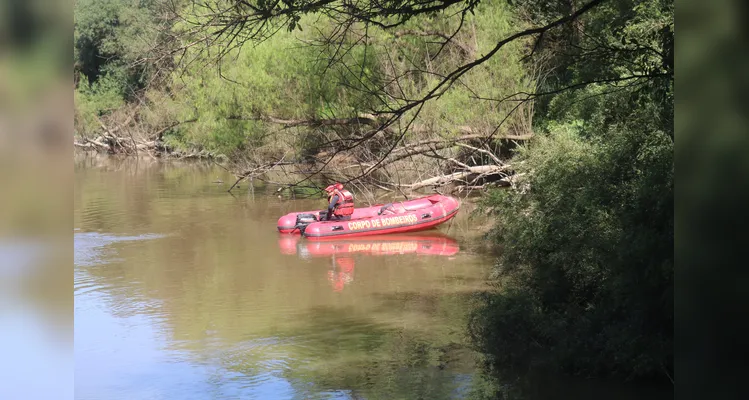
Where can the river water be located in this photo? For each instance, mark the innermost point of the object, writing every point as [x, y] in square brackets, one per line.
[184, 291]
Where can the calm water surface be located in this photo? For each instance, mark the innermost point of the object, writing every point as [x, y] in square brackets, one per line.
[183, 291]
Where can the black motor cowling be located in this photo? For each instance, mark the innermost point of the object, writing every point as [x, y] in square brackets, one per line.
[302, 220]
[306, 218]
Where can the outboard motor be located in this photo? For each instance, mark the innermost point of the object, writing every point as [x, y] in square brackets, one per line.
[302, 220]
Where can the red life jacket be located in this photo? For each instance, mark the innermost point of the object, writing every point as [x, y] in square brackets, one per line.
[345, 205]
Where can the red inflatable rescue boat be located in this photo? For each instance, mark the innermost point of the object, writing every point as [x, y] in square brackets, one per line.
[398, 217]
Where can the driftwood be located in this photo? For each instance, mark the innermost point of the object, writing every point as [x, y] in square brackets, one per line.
[120, 139]
[507, 181]
[478, 172]
[91, 144]
[115, 144]
[451, 168]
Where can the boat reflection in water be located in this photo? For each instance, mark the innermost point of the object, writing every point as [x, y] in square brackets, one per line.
[342, 251]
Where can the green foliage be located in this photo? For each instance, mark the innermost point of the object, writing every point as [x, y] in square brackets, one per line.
[110, 36]
[586, 251]
[585, 276]
[466, 103]
[586, 265]
[96, 22]
[282, 78]
[94, 100]
[620, 44]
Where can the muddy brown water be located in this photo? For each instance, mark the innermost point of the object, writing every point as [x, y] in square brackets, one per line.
[183, 291]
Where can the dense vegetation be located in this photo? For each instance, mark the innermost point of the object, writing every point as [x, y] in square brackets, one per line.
[585, 231]
[586, 265]
[233, 106]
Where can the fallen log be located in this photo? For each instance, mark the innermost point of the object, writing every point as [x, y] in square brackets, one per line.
[88, 146]
[480, 170]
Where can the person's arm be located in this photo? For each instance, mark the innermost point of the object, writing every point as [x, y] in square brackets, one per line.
[332, 204]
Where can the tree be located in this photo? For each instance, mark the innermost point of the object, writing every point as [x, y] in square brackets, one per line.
[586, 268]
[561, 38]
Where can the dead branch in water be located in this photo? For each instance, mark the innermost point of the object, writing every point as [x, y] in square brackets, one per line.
[257, 171]
[130, 138]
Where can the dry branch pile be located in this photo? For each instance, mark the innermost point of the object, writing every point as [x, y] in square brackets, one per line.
[127, 134]
[366, 157]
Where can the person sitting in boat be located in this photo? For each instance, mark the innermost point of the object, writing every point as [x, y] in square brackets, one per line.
[340, 201]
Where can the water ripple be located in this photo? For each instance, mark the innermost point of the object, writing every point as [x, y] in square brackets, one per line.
[91, 248]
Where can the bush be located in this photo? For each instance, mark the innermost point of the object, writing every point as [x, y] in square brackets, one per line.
[95, 100]
[586, 259]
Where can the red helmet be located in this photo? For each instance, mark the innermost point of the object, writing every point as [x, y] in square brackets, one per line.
[334, 186]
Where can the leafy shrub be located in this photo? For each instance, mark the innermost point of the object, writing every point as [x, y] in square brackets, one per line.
[586, 264]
